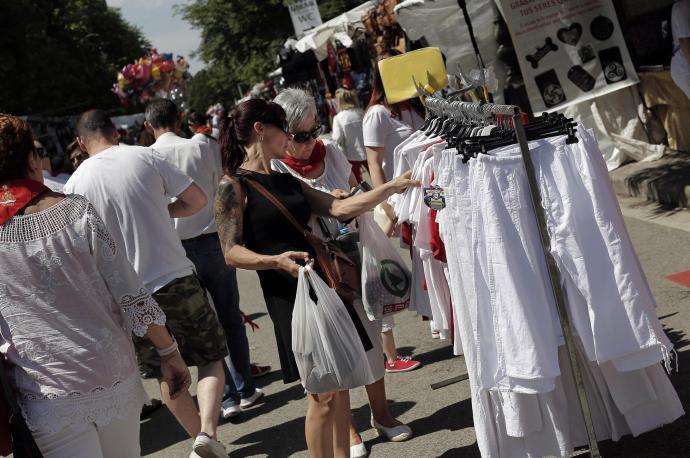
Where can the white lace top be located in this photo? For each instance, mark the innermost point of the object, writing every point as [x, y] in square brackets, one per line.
[69, 300]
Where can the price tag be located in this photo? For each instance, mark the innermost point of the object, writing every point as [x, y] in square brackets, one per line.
[434, 198]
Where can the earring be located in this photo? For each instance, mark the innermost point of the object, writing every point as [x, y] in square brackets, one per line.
[261, 139]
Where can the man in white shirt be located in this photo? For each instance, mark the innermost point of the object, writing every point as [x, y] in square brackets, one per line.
[200, 240]
[198, 123]
[130, 186]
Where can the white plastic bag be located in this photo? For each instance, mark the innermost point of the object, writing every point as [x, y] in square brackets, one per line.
[327, 348]
[386, 280]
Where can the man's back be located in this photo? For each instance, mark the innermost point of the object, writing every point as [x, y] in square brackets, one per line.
[130, 187]
[200, 163]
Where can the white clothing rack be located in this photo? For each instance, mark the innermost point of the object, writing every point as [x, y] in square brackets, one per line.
[482, 111]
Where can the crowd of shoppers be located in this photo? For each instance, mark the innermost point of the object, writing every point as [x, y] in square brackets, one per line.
[127, 267]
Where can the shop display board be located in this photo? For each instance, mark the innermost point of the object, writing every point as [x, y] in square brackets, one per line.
[569, 50]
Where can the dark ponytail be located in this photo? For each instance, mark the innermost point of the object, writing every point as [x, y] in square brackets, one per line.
[232, 153]
[236, 130]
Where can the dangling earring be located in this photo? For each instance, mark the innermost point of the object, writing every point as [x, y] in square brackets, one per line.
[261, 139]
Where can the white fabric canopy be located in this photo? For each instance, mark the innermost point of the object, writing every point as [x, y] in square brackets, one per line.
[339, 27]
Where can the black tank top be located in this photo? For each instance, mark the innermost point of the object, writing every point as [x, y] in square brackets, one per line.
[265, 229]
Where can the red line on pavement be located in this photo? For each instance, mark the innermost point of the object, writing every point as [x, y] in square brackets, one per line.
[682, 278]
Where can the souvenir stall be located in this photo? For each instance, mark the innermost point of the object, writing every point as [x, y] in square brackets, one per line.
[519, 44]
[520, 247]
[334, 54]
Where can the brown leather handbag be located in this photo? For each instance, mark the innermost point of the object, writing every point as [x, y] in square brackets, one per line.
[339, 272]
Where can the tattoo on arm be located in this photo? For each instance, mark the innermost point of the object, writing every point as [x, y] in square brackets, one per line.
[228, 210]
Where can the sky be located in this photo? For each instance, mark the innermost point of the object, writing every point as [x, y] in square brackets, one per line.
[167, 32]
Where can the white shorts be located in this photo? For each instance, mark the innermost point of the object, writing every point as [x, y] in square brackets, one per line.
[117, 439]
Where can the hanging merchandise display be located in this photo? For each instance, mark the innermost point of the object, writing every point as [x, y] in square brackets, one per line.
[529, 268]
[569, 52]
[382, 25]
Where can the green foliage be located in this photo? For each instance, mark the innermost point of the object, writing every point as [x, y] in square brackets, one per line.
[62, 56]
[239, 42]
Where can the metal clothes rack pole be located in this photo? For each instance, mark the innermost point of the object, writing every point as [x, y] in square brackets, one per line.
[555, 279]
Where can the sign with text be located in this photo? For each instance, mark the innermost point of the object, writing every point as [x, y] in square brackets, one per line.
[569, 50]
[305, 15]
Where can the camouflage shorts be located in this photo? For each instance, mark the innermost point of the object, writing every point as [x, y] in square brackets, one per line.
[193, 322]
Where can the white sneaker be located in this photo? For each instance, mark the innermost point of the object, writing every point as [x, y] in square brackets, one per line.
[206, 447]
[229, 412]
[359, 451]
[251, 400]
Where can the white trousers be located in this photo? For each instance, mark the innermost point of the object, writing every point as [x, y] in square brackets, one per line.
[117, 439]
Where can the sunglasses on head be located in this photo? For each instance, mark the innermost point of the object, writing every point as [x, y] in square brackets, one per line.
[284, 126]
[303, 137]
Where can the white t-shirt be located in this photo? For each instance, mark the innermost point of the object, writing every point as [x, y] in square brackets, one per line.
[382, 130]
[347, 133]
[55, 183]
[412, 119]
[130, 187]
[336, 175]
[680, 27]
[202, 165]
[203, 138]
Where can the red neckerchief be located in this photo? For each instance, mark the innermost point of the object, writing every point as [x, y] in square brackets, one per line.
[16, 194]
[317, 156]
[203, 130]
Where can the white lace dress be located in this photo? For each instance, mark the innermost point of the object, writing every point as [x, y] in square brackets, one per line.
[69, 301]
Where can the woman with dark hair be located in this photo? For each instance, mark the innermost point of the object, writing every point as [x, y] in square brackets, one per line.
[256, 236]
[69, 301]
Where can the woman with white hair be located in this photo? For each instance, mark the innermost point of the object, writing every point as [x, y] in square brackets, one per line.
[323, 166]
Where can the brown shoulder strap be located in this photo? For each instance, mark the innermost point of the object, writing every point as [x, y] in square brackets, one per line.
[267, 194]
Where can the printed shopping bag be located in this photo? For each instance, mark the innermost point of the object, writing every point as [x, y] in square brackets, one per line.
[386, 280]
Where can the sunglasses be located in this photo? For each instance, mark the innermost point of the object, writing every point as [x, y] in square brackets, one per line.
[284, 126]
[303, 137]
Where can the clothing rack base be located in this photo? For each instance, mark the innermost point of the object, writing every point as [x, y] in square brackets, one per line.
[450, 381]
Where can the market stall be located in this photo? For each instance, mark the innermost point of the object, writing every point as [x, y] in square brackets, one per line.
[612, 107]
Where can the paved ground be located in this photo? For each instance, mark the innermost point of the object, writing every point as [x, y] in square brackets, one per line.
[442, 418]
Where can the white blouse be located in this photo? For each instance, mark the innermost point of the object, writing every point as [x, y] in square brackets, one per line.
[69, 301]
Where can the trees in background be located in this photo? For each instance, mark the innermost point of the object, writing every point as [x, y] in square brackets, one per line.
[62, 56]
[239, 42]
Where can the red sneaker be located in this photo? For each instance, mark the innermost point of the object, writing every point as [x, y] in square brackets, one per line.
[259, 371]
[402, 364]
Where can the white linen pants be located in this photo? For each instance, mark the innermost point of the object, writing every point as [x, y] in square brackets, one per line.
[117, 439]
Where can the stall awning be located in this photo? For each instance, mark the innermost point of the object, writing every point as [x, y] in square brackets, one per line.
[339, 27]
